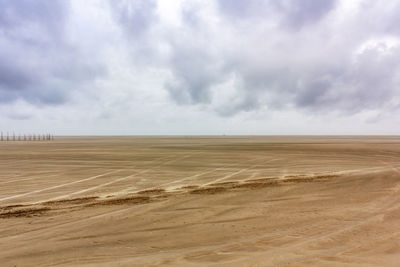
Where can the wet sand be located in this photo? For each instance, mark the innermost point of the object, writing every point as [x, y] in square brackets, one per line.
[201, 201]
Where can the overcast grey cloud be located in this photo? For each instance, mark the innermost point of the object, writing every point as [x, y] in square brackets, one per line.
[136, 66]
[289, 13]
[37, 61]
[135, 16]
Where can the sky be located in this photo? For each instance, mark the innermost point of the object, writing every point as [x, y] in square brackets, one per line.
[199, 67]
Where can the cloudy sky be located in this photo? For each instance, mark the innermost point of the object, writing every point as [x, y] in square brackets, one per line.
[200, 67]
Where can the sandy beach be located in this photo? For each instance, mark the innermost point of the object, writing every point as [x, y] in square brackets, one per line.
[201, 201]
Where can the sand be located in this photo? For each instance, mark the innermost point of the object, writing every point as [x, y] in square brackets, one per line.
[201, 201]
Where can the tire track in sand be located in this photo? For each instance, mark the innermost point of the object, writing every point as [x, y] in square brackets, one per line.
[117, 180]
[101, 185]
[239, 171]
[58, 186]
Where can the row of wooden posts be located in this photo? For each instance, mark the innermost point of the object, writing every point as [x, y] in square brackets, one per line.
[26, 137]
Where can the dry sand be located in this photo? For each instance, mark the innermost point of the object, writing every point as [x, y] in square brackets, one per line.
[201, 201]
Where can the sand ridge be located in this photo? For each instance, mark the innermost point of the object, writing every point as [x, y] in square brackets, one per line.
[155, 194]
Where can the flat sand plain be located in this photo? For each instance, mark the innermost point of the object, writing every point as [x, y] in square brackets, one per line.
[201, 201]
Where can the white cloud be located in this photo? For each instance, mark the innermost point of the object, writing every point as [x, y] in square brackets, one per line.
[202, 67]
